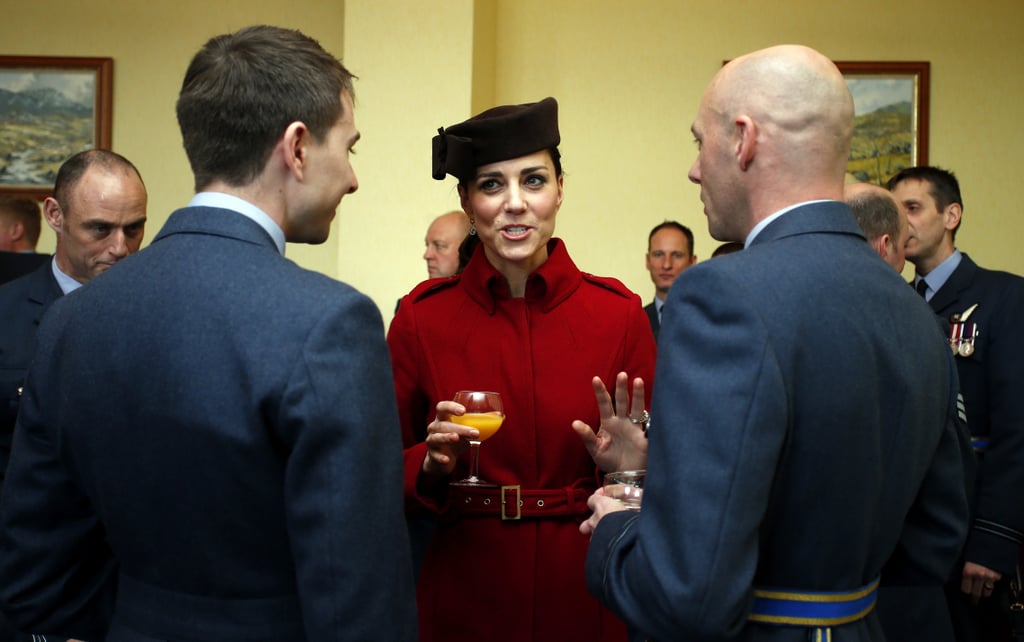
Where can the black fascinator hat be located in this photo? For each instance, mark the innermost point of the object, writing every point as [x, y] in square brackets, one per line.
[498, 134]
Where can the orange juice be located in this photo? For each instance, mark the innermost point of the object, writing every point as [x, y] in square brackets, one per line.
[487, 423]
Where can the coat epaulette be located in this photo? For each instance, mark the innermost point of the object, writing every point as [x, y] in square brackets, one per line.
[430, 287]
[609, 283]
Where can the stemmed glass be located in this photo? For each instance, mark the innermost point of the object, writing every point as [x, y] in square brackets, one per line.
[483, 412]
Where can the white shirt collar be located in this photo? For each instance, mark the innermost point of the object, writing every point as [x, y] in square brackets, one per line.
[66, 283]
[246, 209]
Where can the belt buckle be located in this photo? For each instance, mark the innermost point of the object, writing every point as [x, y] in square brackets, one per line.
[505, 516]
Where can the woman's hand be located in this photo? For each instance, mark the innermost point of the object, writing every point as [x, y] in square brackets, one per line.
[620, 443]
[445, 441]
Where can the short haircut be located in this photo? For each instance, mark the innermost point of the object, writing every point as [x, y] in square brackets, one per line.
[71, 172]
[25, 211]
[242, 90]
[876, 214]
[944, 188]
[687, 232]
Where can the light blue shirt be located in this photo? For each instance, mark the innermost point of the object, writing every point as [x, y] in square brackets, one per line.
[658, 305]
[935, 279]
[243, 207]
[66, 283]
[765, 222]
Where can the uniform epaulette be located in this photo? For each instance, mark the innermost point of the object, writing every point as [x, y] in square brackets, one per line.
[609, 283]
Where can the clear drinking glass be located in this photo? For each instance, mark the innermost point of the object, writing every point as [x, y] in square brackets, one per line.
[627, 486]
[485, 413]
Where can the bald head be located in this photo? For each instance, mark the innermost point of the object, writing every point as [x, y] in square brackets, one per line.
[779, 123]
[443, 238]
[883, 221]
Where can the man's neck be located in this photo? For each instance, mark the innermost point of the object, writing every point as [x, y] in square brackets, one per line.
[924, 265]
[268, 200]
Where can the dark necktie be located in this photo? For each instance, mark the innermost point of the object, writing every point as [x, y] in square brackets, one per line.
[921, 287]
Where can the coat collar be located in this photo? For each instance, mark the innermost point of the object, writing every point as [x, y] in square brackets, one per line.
[549, 285]
[958, 281]
[215, 221]
[828, 217]
[42, 285]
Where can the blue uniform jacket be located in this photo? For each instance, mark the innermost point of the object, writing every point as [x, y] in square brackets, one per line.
[804, 432]
[208, 449]
[992, 382]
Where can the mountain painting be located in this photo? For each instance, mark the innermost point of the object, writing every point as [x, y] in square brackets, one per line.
[886, 127]
[46, 115]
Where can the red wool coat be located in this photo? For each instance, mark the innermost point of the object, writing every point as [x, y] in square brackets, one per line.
[485, 578]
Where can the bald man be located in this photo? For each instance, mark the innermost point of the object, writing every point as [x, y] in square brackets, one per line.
[793, 447]
[444, 236]
[883, 221]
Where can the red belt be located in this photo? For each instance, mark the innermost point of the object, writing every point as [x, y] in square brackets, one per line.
[512, 502]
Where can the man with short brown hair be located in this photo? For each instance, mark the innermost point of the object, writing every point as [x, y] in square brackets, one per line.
[20, 223]
[669, 253]
[215, 426]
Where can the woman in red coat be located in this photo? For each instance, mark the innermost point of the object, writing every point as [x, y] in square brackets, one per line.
[506, 562]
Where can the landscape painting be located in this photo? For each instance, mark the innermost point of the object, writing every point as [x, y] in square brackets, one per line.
[891, 109]
[50, 108]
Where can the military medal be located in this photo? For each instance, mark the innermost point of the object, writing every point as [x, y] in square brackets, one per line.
[962, 335]
[966, 347]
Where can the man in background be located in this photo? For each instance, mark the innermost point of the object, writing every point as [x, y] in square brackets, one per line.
[906, 612]
[20, 224]
[669, 253]
[982, 313]
[98, 212]
[779, 368]
[883, 222]
[444, 236]
[208, 446]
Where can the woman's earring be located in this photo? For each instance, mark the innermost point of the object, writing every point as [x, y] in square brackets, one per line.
[472, 227]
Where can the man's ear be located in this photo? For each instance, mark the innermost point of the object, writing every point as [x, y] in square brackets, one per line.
[13, 230]
[294, 148]
[952, 215]
[53, 214]
[882, 245]
[746, 145]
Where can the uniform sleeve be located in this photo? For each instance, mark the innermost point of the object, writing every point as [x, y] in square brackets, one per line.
[936, 526]
[343, 482]
[59, 575]
[683, 567]
[998, 531]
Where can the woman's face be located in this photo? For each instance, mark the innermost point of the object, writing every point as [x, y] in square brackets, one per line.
[513, 204]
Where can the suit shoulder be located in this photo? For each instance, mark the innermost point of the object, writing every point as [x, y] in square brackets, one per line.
[610, 284]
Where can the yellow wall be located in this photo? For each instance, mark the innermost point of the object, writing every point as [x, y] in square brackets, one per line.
[628, 77]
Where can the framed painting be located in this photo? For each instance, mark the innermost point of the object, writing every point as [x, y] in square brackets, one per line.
[50, 108]
[891, 109]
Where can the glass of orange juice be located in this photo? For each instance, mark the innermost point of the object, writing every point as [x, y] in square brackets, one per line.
[485, 413]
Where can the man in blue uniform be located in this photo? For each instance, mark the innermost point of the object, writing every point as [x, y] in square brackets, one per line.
[982, 313]
[795, 453]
